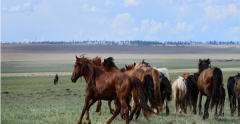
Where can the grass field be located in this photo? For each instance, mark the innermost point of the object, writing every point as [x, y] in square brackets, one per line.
[28, 95]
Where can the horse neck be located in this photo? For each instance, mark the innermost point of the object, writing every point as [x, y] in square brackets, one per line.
[92, 73]
[202, 68]
[111, 69]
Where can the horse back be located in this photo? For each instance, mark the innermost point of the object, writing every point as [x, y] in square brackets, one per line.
[205, 79]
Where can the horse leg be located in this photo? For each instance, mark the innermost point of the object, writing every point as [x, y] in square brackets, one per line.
[126, 110]
[109, 106]
[138, 112]
[135, 105]
[118, 109]
[238, 107]
[87, 99]
[234, 104]
[185, 104]
[200, 103]
[167, 109]
[216, 114]
[98, 109]
[88, 120]
[206, 106]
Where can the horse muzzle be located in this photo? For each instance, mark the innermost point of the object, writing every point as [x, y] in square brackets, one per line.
[73, 79]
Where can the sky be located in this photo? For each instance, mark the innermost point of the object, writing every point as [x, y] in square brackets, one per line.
[117, 20]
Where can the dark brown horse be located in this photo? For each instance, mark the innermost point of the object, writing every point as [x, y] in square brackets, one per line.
[166, 91]
[237, 91]
[192, 92]
[55, 79]
[210, 84]
[102, 85]
[231, 93]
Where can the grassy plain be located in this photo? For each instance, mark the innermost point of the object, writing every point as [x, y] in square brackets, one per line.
[28, 95]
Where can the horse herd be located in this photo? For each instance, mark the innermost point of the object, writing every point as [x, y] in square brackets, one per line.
[144, 84]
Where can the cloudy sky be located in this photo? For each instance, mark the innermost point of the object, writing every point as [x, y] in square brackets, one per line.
[162, 20]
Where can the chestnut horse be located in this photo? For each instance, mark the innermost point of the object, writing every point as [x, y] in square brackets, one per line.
[210, 84]
[192, 92]
[106, 86]
[155, 75]
[109, 66]
[231, 93]
[179, 91]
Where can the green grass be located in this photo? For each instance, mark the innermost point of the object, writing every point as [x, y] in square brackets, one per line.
[35, 100]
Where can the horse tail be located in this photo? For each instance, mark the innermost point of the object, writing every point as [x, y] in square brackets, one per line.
[230, 86]
[182, 87]
[189, 95]
[217, 80]
[150, 89]
[141, 95]
[168, 88]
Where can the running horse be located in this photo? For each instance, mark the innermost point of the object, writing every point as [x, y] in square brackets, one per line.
[210, 84]
[155, 75]
[102, 85]
[231, 92]
[165, 87]
[192, 92]
[108, 65]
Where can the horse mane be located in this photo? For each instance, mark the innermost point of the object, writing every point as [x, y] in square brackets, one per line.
[164, 71]
[97, 61]
[145, 63]
[203, 64]
[90, 69]
[109, 64]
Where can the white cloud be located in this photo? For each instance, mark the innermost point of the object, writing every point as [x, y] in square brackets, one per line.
[153, 26]
[218, 12]
[79, 34]
[204, 28]
[235, 30]
[26, 7]
[128, 3]
[109, 3]
[183, 26]
[122, 20]
[90, 9]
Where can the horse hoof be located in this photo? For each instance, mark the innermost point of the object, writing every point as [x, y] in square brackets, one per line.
[88, 122]
[112, 111]
[123, 116]
[200, 113]
[216, 116]
[167, 113]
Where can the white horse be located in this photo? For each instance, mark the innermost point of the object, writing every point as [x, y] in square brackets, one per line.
[179, 91]
[164, 71]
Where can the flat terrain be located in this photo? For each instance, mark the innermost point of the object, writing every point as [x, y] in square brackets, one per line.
[27, 71]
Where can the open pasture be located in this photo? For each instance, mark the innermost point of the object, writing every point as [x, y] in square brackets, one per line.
[28, 95]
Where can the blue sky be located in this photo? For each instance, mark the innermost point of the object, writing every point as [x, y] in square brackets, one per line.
[161, 20]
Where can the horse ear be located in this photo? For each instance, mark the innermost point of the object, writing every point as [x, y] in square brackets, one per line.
[134, 64]
[76, 57]
[125, 66]
[143, 61]
[199, 60]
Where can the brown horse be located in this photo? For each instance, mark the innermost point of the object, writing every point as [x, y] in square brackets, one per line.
[108, 65]
[231, 92]
[55, 80]
[210, 84]
[237, 91]
[106, 86]
[192, 92]
[166, 90]
[155, 75]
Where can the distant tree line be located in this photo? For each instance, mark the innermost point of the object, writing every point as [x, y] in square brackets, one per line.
[130, 42]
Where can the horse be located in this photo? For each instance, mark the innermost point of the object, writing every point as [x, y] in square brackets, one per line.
[166, 91]
[106, 86]
[165, 87]
[155, 75]
[179, 91]
[108, 65]
[210, 84]
[231, 94]
[237, 90]
[55, 80]
[192, 92]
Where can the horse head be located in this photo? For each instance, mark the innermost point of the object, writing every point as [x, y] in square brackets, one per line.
[185, 75]
[79, 68]
[203, 64]
[129, 67]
